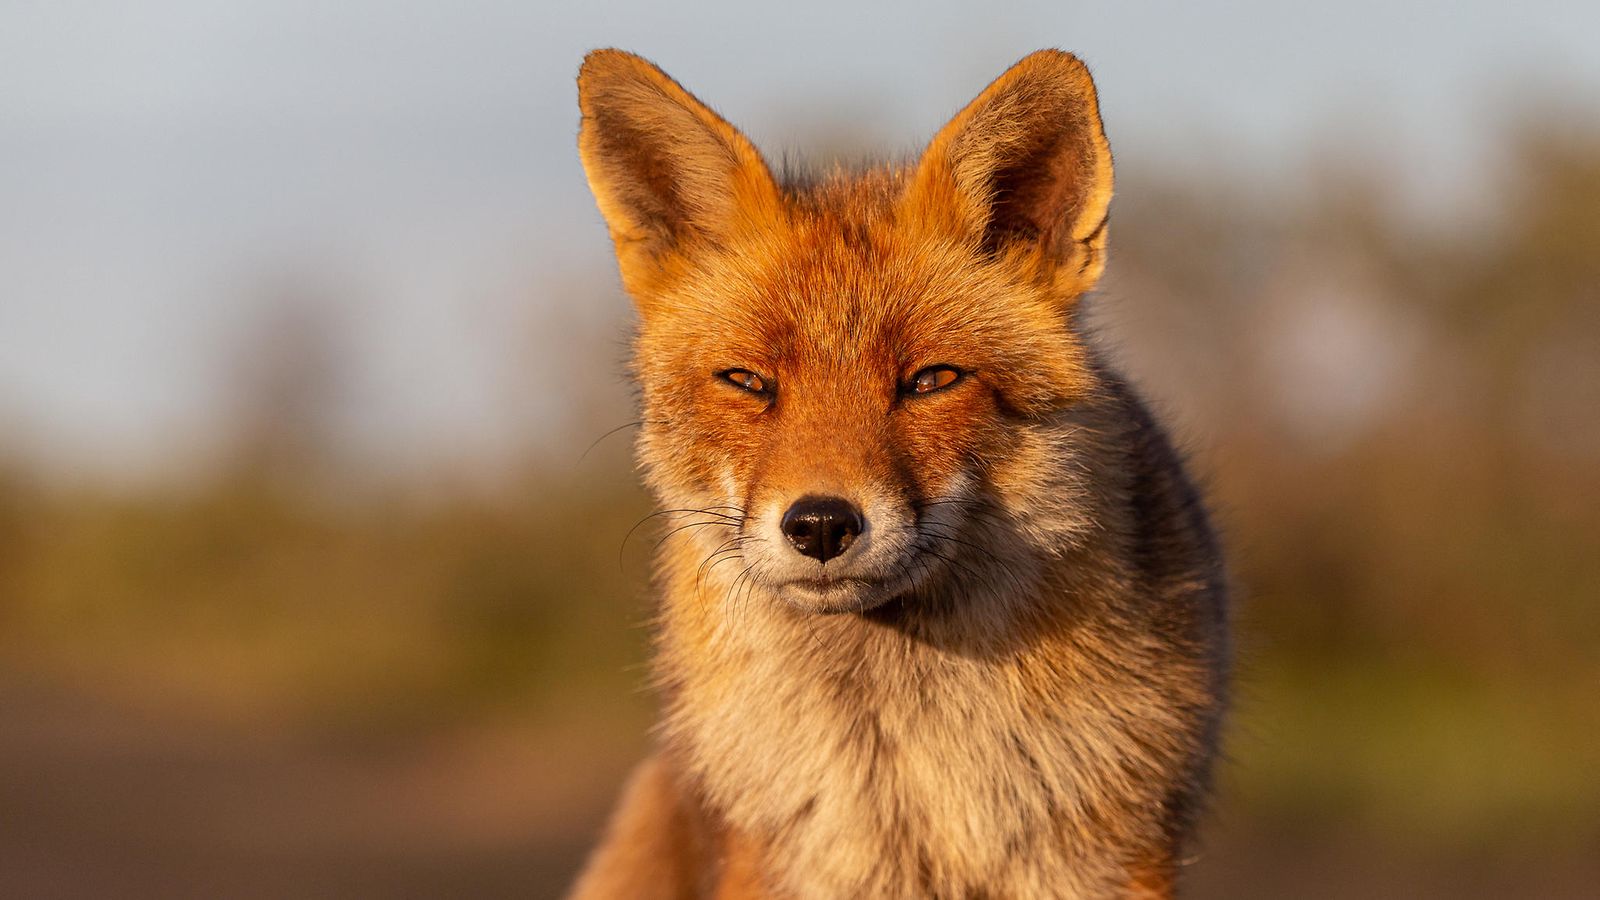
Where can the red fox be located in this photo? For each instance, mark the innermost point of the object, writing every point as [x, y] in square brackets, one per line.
[940, 615]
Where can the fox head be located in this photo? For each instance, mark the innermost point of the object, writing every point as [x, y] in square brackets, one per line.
[867, 380]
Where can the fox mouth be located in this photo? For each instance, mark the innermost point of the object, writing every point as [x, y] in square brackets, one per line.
[831, 596]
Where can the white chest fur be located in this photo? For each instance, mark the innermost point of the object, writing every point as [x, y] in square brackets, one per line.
[874, 764]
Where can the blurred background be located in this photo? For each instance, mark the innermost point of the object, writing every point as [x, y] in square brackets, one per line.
[313, 569]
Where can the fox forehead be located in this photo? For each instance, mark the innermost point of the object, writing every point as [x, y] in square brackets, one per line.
[836, 282]
[974, 254]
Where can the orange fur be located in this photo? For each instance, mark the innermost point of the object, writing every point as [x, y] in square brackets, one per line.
[1010, 683]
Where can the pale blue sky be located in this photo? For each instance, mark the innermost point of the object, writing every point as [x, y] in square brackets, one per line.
[157, 159]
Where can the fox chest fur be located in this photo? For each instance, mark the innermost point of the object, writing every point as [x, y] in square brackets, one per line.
[876, 762]
[940, 614]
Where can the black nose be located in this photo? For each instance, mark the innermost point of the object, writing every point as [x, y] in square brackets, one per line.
[822, 527]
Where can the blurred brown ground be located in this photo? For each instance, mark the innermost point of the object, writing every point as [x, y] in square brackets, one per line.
[262, 682]
[107, 802]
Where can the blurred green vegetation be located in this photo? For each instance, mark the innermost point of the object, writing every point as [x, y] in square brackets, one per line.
[1419, 592]
[248, 595]
[1411, 498]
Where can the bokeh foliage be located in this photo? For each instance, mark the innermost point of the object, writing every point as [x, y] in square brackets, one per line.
[1399, 419]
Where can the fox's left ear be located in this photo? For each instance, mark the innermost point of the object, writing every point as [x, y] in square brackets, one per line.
[1025, 169]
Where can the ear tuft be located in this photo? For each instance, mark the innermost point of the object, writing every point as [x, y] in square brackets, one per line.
[667, 172]
[1026, 167]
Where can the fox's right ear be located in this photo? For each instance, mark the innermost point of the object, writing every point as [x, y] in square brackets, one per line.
[667, 173]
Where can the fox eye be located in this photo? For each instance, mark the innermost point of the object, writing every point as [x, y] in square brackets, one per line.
[934, 378]
[744, 379]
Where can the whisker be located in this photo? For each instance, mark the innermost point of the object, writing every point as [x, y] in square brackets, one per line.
[978, 508]
[584, 455]
[952, 561]
[719, 562]
[708, 511]
[675, 530]
[942, 534]
[733, 546]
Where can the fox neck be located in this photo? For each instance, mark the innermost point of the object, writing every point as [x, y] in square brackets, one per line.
[943, 744]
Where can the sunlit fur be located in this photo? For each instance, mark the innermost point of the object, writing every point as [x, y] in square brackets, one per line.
[1010, 684]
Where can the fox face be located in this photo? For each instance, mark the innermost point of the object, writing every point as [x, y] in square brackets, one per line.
[854, 385]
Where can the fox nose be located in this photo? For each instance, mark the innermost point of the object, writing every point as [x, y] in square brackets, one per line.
[822, 527]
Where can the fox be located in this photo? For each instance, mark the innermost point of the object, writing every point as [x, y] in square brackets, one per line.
[939, 612]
